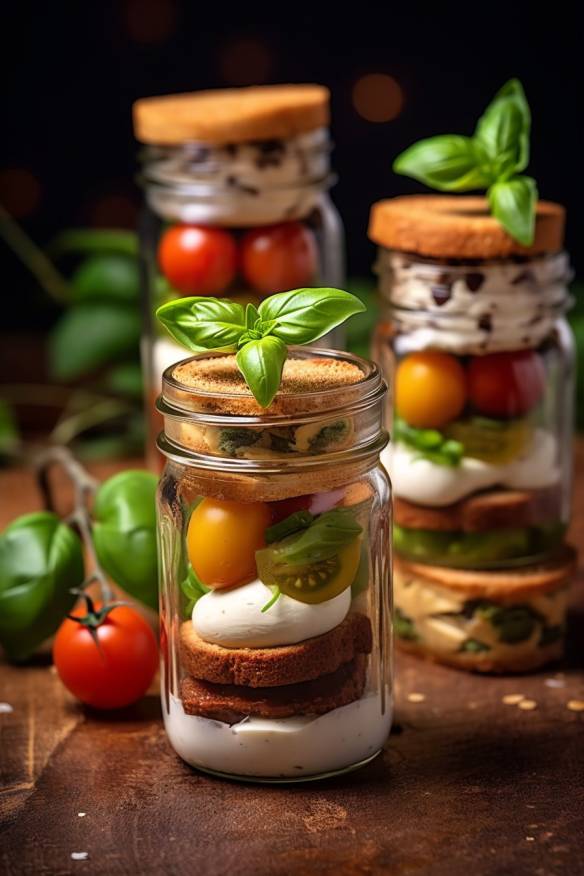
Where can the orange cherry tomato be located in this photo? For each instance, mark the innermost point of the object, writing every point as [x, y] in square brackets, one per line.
[112, 668]
[506, 384]
[279, 257]
[222, 539]
[430, 389]
[197, 260]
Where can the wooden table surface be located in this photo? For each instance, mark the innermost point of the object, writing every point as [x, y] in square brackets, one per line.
[465, 784]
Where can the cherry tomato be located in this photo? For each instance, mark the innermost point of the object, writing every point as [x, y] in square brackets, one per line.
[197, 260]
[279, 257]
[506, 384]
[116, 670]
[222, 539]
[430, 389]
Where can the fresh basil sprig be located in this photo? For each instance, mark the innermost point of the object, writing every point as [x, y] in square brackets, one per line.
[430, 444]
[323, 539]
[492, 159]
[259, 335]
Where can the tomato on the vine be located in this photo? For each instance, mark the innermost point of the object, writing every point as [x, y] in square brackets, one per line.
[430, 389]
[108, 657]
[198, 260]
[222, 539]
[279, 257]
[506, 384]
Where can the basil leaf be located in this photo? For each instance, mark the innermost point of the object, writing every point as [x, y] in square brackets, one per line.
[91, 335]
[106, 277]
[503, 129]
[329, 533]
[251, 316]
[512, 203]
[41, 559]
[305, 315]
[203, 323]
[124, 533]
[193, 588]
[294, 523]
[261, 363]
[430, 443]
[449, 163]
[94, 240]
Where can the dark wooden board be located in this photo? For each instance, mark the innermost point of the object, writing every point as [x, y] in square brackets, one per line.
[466, 784]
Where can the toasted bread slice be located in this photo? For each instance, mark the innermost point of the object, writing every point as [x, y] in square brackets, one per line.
[492, 509]
[230, 703]
[273, 667]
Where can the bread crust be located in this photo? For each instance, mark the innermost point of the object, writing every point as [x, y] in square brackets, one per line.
[273, 667]
[459, 227]
[493, 509]
[503, 586]
[484, 663]
[232, 703]
[232, 115]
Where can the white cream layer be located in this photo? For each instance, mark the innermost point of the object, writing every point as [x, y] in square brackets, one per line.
[284, 747]
[234, 619]
[426, 483]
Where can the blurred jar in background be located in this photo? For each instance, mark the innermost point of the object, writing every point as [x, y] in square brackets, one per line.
[236, 187]
[475, 345]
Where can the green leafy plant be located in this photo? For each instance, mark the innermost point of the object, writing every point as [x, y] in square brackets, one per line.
[323, 538]
[124, 533]
[259, 336]
[193, 588]
[41, 561]
[429, 443]
[492, 159]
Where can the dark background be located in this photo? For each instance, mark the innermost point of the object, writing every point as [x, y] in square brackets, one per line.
[72, 71]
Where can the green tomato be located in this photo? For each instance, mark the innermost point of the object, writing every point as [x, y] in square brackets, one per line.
[124, 533]
[41, 560]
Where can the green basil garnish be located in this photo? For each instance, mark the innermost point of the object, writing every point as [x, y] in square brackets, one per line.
[492, 159]
[429, 443]
[324, 538]
[259, 335]
[193, 588]
[294, 523]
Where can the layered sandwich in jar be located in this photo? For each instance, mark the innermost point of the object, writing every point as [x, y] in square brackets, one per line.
[475, 336]
[511, 620]
[275, 574]
[237, 205]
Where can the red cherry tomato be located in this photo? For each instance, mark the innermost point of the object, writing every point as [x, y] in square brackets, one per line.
[279, 257]
[506, 384]
[116, 670]
[197, 260]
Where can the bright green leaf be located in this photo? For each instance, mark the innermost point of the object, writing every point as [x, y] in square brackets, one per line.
[111, 277]
[448, 163]
[261, 363]
[304, 315]
[513, 203]
[203, 323]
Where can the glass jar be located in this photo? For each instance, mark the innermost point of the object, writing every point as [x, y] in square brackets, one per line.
[482, 365]
[275, 587]
[240, 218]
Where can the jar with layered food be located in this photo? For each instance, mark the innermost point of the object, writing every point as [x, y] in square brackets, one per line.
[274, 534]
[474, 335]
[236, 185]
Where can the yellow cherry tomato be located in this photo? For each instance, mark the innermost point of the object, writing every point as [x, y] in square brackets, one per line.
[430, 389]
[222, 539]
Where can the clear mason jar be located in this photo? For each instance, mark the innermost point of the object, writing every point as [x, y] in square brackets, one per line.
[482, 367]
[290, 501]
[259, 208]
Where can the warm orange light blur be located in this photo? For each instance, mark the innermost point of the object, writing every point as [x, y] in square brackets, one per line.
[20, 191]
[377, 97]
[150, 21]
[245, 61]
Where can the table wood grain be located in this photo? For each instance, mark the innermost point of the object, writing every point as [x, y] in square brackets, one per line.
[465, 784]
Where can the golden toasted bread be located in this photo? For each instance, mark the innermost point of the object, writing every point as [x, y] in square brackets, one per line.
[232, 703]
[273, 667]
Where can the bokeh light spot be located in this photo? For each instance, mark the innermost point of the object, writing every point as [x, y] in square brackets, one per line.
[20, 191]
[377, 97]
[150, 21]
[114, 210]
[245, 61]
